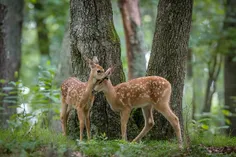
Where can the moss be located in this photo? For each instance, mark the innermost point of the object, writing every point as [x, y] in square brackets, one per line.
[112, 33]
[122, 76]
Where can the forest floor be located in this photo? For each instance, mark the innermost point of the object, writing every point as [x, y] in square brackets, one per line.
[42, 142]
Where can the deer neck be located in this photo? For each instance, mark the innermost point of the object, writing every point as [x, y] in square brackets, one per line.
[110, 93]
[89, 88]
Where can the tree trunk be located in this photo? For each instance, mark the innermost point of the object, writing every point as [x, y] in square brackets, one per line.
[11, 25]
[42, 31]
[230, 64]
[190, 64]
[169, 55]
[64, 65]
[3, 54]
[134, 38]
[214, 67]
[93, 34]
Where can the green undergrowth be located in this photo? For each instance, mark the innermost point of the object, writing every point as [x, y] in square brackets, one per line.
[121, 148]
[36, 142]
[43, 142]
[214, 140]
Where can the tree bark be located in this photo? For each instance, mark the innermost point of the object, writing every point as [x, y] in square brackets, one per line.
[92, 33]
[11, 26]
[169, 55]
[134, 38]
[230, 64]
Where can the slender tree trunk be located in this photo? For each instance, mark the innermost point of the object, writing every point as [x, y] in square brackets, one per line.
[191, 79]
[93, 34]
[11, 25]
[3, 54]
[42, 31]
[44, 45]
[64, 65]
[169, 55]
[190, 64]
[134, 38]
[230, 64]
[214, 70]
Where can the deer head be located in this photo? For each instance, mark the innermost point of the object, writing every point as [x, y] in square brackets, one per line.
[100, 84]
[97, 72]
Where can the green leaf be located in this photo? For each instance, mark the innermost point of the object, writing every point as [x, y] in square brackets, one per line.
[12, 83]
[205, 127]
[226, 112]
[3, 94]
[227, 121]
[2, 81]
[7, 88]
[9, 101]
[2, 108]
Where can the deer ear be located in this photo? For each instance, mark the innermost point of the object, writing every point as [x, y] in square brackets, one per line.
[86, 59]
[95, 59]
[91, 64]
[109, 72]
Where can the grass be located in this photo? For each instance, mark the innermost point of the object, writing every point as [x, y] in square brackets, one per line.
[126, 149]
[42, 142]
[214, 140]
[18, 143]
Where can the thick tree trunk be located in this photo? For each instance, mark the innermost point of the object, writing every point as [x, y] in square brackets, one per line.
[11, 25]
[230, 64]
[169, 55]
[134, 38]
[93, 34]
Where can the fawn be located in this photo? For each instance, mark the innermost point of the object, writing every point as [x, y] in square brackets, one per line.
[79, 95]
[144, 92]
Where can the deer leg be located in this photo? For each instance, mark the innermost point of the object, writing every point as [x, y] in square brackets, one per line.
[149, 122]
[87, 123]
[63, 116]
[174, 121]
[124, 117]
[81, 117]
[87, 119]
[66, 116]
[68, 111]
